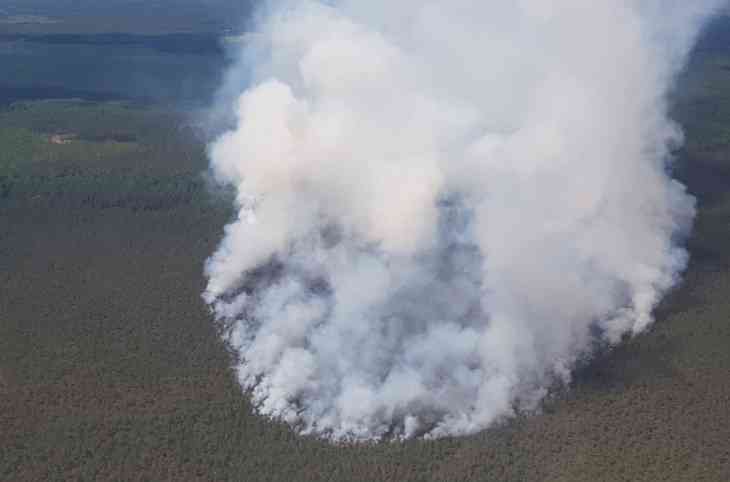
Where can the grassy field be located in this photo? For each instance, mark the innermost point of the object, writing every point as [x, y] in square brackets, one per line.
[111, 368]
[79, 154]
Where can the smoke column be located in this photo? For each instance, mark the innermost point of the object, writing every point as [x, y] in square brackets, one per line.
[442, 206]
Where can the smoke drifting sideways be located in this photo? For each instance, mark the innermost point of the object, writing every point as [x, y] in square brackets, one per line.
[443, 206]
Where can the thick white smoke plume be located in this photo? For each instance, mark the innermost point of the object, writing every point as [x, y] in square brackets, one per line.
[444, 204]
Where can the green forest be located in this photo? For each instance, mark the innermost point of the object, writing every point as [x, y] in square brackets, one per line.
[111, 367]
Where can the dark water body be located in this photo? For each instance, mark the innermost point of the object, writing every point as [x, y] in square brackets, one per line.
[176, 43]
[178, 68]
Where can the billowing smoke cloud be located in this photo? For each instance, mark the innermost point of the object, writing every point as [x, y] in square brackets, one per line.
[444, 205]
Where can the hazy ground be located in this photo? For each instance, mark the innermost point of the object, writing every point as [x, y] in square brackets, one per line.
[110, 366]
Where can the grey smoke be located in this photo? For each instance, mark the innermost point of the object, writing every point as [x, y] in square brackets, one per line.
[444, 205]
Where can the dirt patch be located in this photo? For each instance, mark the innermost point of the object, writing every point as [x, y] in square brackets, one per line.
[62, 139]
